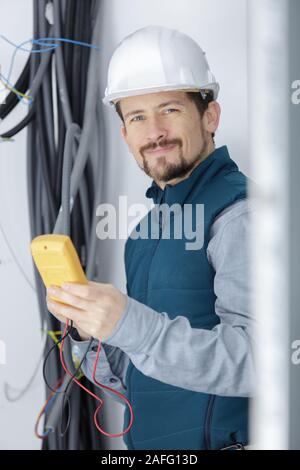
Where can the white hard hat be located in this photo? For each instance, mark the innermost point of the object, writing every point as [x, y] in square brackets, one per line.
[154, 59]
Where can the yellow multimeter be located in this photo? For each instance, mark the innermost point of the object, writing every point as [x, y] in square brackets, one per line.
[57, 260]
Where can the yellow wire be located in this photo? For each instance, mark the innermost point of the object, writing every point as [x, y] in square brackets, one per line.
[14, 90]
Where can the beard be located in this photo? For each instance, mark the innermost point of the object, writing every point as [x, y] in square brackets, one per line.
[160, 169]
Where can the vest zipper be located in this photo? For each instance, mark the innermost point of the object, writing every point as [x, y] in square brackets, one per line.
[160, 225]
[159, 233]
[208, 418]
[160, 212]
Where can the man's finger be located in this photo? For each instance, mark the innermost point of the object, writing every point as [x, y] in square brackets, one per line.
[58, 317]
[67, 312]
[85, 291]
[68, 297]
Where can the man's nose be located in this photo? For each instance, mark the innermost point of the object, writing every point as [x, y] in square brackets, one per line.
[155, 129]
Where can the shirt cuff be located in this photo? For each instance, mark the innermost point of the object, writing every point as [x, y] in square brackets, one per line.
[137, 326]
[75, 335]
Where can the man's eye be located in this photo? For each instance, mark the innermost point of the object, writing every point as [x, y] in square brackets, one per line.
[171, 109]
[135, 118]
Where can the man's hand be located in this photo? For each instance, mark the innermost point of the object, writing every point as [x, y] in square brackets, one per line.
[95, 308]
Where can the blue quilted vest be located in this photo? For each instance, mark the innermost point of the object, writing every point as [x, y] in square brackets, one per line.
[167, 277]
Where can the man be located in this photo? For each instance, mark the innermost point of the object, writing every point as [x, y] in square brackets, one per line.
[178, 344]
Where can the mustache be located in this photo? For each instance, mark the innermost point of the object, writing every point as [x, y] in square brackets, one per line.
[162, 144]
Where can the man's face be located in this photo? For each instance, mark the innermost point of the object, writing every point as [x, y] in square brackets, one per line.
[166, 135]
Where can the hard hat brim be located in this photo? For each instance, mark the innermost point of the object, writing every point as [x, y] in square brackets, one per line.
[112, 98]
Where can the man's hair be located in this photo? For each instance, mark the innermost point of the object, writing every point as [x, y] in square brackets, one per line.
[201, 100]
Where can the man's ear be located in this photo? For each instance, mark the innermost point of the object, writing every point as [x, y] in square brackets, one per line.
[211, 117]
[123, 132]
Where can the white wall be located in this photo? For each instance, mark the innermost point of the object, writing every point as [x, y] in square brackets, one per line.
[220, 28]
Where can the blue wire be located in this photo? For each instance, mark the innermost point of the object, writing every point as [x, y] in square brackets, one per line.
[71, 41]
[53, 46]
[49, 403]
[54, 396]
[45, 410]
[40, 51]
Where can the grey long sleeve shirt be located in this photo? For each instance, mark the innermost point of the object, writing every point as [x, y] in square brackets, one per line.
[217, 361]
